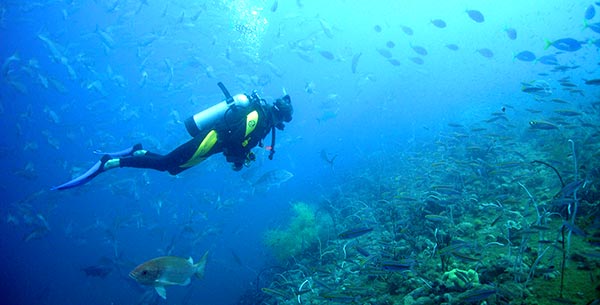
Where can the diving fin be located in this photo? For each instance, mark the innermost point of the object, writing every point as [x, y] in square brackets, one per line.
[86, 177]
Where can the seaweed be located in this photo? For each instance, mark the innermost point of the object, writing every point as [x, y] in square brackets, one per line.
[562, 183]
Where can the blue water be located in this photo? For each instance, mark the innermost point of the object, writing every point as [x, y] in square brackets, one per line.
[90, 75]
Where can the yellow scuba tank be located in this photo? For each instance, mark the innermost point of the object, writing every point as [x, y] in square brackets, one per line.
[209, 117]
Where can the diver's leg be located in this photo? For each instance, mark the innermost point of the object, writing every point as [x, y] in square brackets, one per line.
[122, 153]
[170, 162]
[140, 159]
[182, 155]
[192, 152]
[195, 151]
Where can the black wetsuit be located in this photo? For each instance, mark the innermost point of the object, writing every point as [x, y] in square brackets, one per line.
[232, 138]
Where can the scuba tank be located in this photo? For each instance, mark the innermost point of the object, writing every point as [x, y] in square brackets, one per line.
[209, 117]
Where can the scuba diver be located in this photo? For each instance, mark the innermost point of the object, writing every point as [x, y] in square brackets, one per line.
[233, 127]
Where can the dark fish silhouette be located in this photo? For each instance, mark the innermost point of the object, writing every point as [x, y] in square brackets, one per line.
[564, 44]
[594, 27]
[477, 295]
[525, 56]
[485, 52]
[594, 82]
[355, 232]
[325, 157]
[590, 12]
[511, 33]
[417, 60]
[548, 60]
[327, 55]
[439, 23]
[476, 15]
[419, 49]
[385, 53]
[274, 6]
[100, 271]
[394, 62]
[408, 31]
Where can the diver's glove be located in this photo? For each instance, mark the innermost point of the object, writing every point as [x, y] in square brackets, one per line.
[237, 166]
[250, 157]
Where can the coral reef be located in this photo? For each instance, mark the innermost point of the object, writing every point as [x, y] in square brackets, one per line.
[460, 280]
[302, 233]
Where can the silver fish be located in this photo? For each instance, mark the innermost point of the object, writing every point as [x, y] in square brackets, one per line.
[168, 270]
[272, 178]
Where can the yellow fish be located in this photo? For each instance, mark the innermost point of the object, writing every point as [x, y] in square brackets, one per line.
[168, 270]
